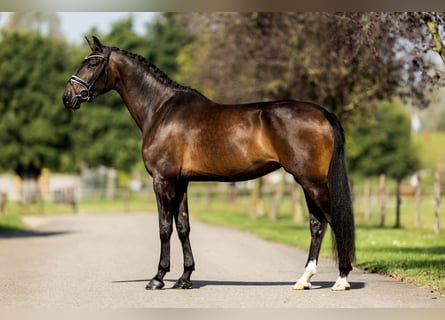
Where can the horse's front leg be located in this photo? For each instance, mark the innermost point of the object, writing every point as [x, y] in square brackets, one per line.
[183, 228]
[168, 205]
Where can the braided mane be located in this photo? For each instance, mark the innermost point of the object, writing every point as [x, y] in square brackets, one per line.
[155, 71]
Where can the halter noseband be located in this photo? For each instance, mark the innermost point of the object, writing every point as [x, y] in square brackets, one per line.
[86, 94]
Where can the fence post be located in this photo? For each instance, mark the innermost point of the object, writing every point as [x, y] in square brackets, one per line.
[278, 197]
[383, 199]
[3, 202]
[418, 196]
[297, 214]
[256, 206]
[437, 202]
[367, 200]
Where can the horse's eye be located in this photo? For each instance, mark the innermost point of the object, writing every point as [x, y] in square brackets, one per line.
[92, 63]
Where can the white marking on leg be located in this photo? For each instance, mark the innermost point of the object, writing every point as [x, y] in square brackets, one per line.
[341, 284]
[304, 281]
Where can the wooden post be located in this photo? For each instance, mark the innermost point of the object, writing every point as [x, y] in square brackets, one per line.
[398, 202]
[278, 197]
[208, 196]
[298, 214]
[256, 209]
[367, 200]
[3, 202]
[418, 196]
[437, 202]
[383, 199]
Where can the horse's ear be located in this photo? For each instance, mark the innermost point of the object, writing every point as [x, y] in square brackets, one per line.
[95, 45]
[88, 41]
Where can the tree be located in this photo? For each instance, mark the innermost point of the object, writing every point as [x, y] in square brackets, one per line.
[369, 57]
[34, 127]
[433, 21]
[382, 145]
[46, 23]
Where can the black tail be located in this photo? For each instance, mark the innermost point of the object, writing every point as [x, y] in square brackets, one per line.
[342, 217]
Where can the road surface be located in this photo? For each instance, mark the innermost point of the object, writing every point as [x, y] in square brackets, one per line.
[103, 261]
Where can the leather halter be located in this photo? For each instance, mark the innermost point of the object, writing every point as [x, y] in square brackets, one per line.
[86, 94]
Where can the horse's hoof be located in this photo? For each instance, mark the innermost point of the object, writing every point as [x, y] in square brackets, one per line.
[302, 286]
[155, 284]
[341, 285]
[182, 284]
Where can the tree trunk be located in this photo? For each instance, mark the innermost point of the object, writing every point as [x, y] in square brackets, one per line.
[29, 176]
[398, 202]
[383, 199]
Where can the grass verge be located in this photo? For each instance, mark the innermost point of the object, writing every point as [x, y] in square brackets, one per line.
[11, 222]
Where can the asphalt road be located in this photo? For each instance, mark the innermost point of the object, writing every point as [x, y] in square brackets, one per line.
[104, 261]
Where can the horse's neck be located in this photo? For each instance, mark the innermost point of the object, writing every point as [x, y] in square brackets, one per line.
[142, 93]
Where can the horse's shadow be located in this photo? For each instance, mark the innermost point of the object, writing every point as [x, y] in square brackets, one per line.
[12, 233]
[197, 284]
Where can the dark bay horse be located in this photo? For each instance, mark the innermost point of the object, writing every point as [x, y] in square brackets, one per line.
[187, 137]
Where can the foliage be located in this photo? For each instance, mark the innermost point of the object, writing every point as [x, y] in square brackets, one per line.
[47, 23]
[369, 57]
[34, 127]
[382, 144]
[166, 40]
[433, 21]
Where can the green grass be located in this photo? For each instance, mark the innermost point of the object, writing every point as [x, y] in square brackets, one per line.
[11, 222]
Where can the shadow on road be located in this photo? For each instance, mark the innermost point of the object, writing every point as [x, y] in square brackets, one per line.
[197, 284]
[31, 234]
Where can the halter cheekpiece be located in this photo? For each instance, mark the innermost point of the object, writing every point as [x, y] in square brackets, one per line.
[86, 94]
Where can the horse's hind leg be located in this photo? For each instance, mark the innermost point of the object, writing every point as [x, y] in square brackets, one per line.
[319, 205]
[183, 228]
[318, 225]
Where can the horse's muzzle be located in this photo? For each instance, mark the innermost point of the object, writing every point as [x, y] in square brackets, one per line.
[70, 101]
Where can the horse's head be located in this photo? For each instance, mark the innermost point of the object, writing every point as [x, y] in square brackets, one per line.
[91, 79]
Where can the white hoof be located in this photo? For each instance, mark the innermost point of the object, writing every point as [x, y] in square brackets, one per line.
[304, 282]
[341, 285]
[302, 285]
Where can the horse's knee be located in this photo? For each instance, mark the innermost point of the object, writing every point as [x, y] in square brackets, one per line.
[183, 232]
[165, 232]
[317, 226]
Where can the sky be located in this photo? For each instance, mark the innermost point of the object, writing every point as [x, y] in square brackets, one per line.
[75, 25]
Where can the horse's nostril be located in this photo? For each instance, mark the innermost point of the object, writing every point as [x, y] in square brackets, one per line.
[66, 98]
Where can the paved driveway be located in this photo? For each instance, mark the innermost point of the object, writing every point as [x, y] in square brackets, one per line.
[106, 261]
